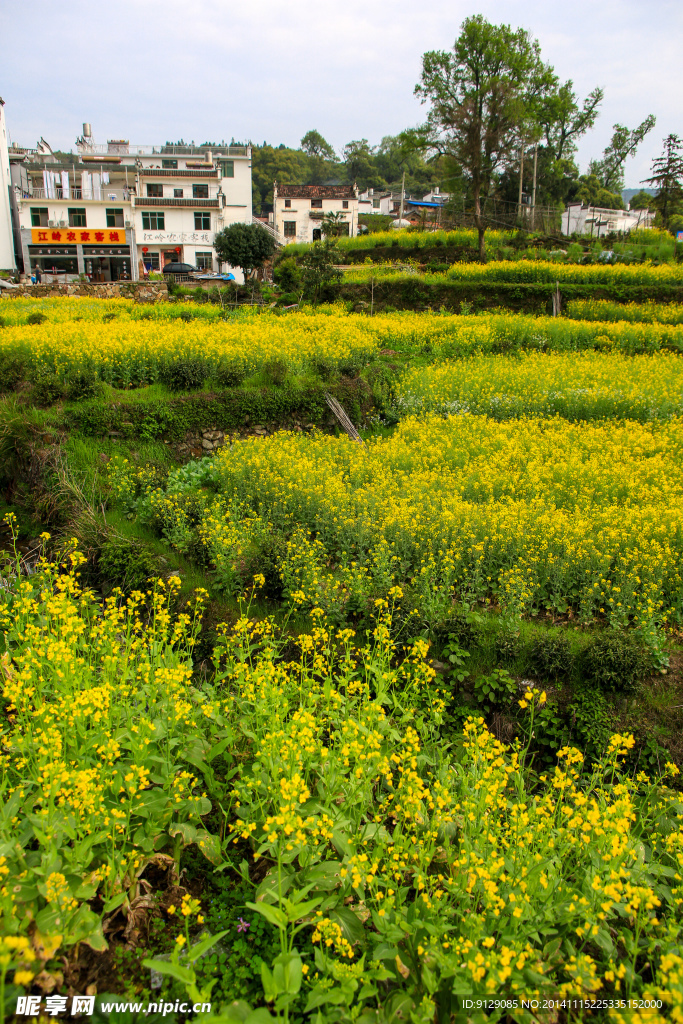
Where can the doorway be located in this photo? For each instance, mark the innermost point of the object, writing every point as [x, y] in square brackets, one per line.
[171, 256]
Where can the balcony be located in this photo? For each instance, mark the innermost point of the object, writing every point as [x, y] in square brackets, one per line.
[149, 201]
[165, 172]
[103, 194]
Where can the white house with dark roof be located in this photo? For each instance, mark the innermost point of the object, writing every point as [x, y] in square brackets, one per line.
[299, 210]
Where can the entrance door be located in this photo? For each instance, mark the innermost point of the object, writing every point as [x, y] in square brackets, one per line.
[317, 234]
[171, 256]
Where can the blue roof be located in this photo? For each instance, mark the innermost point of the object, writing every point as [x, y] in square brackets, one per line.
[410, 202]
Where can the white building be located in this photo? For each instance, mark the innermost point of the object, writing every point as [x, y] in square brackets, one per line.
[7, 261]
[596, 221]
[298, 210]
[118, 211]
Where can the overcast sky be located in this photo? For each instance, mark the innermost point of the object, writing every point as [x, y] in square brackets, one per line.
[157, 70]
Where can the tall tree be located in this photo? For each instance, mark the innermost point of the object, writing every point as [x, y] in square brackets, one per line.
[667, 178]
[361, 168]
[623, 144]
[483, 94]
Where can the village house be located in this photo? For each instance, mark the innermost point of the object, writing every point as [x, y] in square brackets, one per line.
[299, 210]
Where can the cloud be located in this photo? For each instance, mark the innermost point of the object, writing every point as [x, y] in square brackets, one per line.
[153, 70]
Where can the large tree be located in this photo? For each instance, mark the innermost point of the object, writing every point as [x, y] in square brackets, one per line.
[484, 95]
[667, 178]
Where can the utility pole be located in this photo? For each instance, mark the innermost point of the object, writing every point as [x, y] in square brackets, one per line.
[533, 191]
[403, 192]
[521, 178]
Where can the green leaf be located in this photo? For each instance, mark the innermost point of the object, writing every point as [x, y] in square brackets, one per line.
[272, 914]
[349, 923]
[205, 945]
[320, 996]
[210, 846]
[115, 902]
[187, 832]
[171, 970]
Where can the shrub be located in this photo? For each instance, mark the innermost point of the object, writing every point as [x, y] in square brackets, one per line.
[185, 374]
[47, 387]
[287, 274]
[126, 564]
[507, 644]
[83, 384]
[275, 371]
[231, 374]
[550, 655]
[323, 367]
[615, 661]
[36, 317]
[12, 370]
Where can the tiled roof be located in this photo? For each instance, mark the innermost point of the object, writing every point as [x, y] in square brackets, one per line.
[315, 192]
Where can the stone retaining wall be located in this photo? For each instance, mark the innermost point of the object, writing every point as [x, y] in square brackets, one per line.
[140, 291]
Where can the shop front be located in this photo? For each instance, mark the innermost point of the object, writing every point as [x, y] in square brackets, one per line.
[107, 262]
[53, 261]
[153, 258]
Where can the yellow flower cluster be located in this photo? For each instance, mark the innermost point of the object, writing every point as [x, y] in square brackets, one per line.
[531, 513]
[578, 386]
[528, 271]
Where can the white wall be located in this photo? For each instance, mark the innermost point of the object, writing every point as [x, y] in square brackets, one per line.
[7, 261]
[300, 212]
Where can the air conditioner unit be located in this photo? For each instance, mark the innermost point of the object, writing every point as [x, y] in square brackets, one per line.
[62, 223]
[52, 224]
[127, 224]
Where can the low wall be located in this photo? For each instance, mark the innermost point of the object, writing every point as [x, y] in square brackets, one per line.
[140, 291]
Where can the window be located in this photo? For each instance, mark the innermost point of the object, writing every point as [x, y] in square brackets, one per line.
[202, 221]
[151, 260]
[316, 204]
[228, 168]
[153, 221]
[200, 191]
[177, 193]
[317, 234]
[288, 204]
[290, 228]
[38, 217]
[77, 219]
[114, 218]
[170, 165]
[375, 204]
[345, 204]
[155, 191]
[203, 260]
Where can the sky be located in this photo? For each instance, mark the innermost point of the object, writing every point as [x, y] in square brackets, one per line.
[153, 71]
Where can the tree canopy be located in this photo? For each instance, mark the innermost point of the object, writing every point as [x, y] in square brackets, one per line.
[246, 246]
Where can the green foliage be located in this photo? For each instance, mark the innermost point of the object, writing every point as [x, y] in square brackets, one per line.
[319, 269]
[247, 246]
[275, 371]
[507, 645]
[591, 718]
[185, 374]
[36, 317]
[550, 655]
[83, 383]
[287, 274]
[125, 563]
[495, 691]
[615, 661]
[13, 369]
[231, 374]
[48, 387]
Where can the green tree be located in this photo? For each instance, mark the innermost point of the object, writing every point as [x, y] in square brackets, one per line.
[360, 165]
[276, 163]
[318, 268]
[314, 145]
[247, 246]
[332, 224]
[590, 191]
[483, 94]
[642, 201]
[667, 178]
[623, 144]
[564, 120]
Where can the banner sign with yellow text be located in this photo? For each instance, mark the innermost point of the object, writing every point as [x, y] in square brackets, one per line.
[76, 235]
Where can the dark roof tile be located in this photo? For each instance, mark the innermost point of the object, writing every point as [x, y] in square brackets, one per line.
[315, 192]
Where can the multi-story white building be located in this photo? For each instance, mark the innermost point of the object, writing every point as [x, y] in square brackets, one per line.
[118, 211]
[298, 210]
[6, 236]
